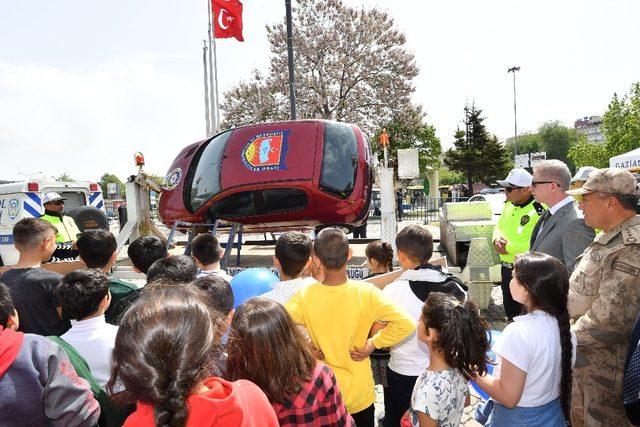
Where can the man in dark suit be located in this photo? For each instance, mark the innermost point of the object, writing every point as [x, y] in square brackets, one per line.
[561, 231]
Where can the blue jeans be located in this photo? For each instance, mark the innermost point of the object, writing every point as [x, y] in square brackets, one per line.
[547, 415]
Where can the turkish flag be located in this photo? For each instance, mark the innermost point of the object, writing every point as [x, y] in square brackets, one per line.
[227, 19]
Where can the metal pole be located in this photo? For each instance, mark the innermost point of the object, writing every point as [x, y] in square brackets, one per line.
[515, 115]
[386, 156]
[215, 76]
[292, 92]
[214, 122]
[207, 115]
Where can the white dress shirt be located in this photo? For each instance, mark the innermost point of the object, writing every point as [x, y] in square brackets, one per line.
[94, 339]
[555, 208]
[219, 272]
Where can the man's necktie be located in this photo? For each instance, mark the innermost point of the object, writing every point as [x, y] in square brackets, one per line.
[545, 216]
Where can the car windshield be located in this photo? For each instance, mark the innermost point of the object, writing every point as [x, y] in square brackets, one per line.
[339, 159]
[206, 179]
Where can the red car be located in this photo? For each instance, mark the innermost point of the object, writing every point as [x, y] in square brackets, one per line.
[273, 176]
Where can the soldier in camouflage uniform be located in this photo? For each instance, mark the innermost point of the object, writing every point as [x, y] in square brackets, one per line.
[604, 296]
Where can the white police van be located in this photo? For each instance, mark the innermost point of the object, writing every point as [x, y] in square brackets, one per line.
[18, 200]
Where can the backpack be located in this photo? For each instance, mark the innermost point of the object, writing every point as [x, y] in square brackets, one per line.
[451, 285]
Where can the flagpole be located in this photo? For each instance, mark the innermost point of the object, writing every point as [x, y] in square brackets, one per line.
[214, 123]
[215, 76]
[207, 114]
[292, 89]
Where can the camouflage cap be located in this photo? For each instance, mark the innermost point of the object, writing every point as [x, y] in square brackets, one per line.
[609, 180]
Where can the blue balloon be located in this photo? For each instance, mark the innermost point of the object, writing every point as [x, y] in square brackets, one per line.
[250, 283]
[493, 336]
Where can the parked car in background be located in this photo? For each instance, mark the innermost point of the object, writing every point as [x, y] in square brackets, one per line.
[273, 176]
[495, 198]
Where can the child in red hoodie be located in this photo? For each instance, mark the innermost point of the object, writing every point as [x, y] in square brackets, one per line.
[164, 355]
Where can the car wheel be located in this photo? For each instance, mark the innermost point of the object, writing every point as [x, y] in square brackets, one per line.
[346, 228]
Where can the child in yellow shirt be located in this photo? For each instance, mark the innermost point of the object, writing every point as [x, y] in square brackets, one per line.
[338, 313]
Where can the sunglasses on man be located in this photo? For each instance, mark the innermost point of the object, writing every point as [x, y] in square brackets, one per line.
[534, 183]
[510, 189]
[57, 202]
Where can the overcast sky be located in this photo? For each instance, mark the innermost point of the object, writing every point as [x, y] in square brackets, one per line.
[85, 84]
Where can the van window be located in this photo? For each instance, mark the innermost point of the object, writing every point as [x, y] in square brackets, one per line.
[339, 159]
[205, 180]
[259, 202]
[73, 199]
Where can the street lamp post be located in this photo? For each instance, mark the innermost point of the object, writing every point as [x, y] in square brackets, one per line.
[515, 116]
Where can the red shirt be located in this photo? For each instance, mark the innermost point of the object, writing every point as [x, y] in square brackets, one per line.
[234, 404]
[318, 403]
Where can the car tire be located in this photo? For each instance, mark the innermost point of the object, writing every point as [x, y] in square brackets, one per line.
[346, 228]
[89, 218]
[1, 262]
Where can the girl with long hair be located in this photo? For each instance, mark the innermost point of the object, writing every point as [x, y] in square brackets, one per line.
[457, 338]
[267, 348]
[531, 386]
[164, 357]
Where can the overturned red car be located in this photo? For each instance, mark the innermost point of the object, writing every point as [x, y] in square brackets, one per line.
[272, 176]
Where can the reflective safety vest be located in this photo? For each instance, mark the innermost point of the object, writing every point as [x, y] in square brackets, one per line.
[67, 230]
[515, 226]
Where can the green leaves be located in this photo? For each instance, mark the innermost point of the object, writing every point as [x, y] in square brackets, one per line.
[351, 65]
[108, 178]
[476, 154]
[408, 129]
[621, 122]
[557, 139]
[588, 154]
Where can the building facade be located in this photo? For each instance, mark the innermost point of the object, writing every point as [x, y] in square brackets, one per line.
[591, 128]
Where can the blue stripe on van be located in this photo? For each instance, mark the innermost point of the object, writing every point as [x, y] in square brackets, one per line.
[6, 239]
[94, 196]
[35, 198]
[31, 210]
[100, 205]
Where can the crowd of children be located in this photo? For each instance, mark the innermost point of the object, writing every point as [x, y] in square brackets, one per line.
[175, 352]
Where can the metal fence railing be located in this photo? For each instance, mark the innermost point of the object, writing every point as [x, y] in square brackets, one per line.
[423, 209]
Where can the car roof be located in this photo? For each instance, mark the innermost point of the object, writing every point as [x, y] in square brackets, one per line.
[496, 201]
[291, 147]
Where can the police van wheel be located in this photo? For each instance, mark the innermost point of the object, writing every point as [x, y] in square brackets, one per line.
[1, 262]
[89, 218]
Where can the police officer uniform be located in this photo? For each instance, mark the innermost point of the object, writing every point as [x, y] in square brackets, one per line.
[604, 301]
[66, 229]
[515, 225]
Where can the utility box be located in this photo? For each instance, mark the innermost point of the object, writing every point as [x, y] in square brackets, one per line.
[462, 221]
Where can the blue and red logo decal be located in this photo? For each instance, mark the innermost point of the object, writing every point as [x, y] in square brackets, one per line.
[266, 151]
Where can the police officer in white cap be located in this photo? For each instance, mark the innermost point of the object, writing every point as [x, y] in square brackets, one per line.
[67, 230]
[512, 233]
[581, 176]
